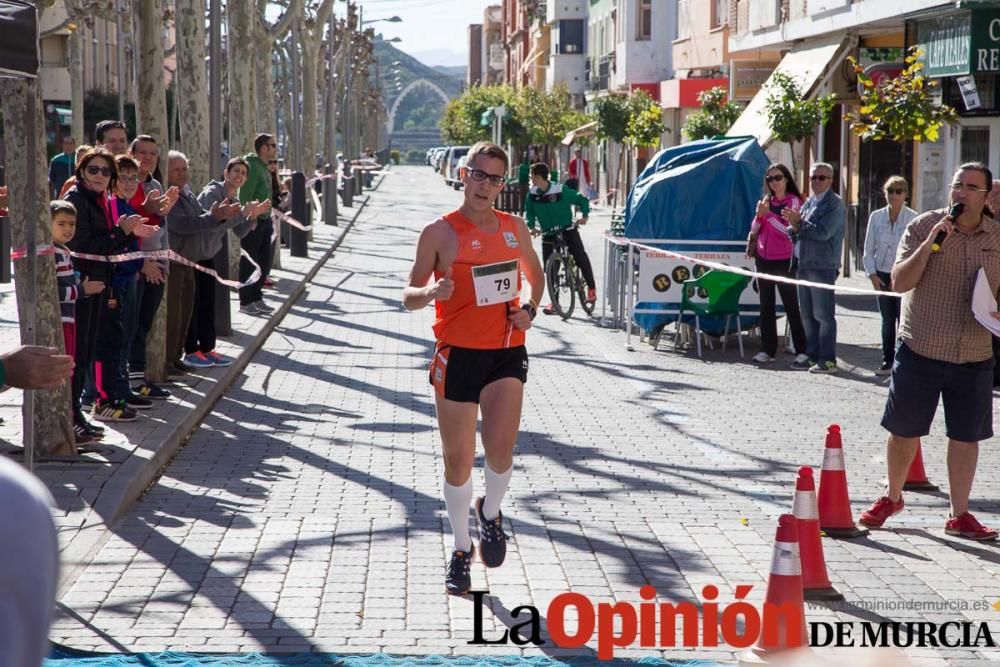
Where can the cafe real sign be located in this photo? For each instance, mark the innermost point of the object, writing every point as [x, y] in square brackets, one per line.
[962, 43]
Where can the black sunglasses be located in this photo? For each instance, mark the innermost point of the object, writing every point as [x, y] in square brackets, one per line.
[776, 177]
[818, 177]
[480, 175]
[94, 170]
[895, 191]
[272, 162]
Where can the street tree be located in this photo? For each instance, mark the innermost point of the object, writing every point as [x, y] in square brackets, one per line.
[309, 26]
[268, 36]
[645, 121]
[545, 115]
[715, 117]
[191, 82]
[461, 123]
[53, 427]
[901, 107]
[151, 117]
[790, 114]
[241, 18]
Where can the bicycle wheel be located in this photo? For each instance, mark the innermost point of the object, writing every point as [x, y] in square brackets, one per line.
[560, 284]
[581, 291]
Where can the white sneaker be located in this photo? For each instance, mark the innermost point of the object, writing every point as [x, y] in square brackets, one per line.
[762, 358]
[800, 359]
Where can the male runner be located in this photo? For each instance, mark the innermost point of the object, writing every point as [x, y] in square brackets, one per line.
[476, 255]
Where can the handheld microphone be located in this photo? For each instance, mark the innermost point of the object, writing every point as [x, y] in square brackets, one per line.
[955, 211]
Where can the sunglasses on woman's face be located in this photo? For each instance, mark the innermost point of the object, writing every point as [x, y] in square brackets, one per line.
[895, 191]
[94, 170]
[776, 177]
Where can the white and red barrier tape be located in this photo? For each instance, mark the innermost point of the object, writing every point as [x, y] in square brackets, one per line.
[621, 241]
[49, 249]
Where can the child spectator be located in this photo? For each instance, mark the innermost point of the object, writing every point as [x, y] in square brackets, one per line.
[71, 288]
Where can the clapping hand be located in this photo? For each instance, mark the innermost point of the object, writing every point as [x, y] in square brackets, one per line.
[136, 225]
[222, 211]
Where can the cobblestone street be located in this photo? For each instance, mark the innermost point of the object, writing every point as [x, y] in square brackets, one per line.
[305, 513]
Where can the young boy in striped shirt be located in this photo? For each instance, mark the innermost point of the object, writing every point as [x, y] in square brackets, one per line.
[71, 288]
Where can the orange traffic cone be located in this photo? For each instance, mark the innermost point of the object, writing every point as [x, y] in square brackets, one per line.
[916, 478]
[835, 518]
[815, 582]
[783, 621]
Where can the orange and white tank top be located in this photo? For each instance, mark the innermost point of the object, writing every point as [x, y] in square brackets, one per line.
[487, 276]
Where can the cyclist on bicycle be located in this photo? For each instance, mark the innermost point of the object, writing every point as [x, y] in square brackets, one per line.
[551, 206]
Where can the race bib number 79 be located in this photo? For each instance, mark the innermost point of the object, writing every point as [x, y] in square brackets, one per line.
[495, 283]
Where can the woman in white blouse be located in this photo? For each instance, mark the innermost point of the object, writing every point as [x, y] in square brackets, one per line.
[885, 229]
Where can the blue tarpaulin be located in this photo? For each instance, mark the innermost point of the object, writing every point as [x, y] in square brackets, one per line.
[705, 190]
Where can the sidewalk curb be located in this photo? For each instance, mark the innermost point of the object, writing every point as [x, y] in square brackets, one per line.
[136, 474]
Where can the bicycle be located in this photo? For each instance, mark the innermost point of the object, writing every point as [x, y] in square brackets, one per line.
[564, 280]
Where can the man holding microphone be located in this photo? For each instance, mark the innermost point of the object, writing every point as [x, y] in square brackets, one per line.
[944, 352]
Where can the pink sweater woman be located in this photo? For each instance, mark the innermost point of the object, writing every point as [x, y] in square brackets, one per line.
[772, 250]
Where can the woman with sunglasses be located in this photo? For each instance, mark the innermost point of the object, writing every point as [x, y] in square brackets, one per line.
[771, 248]
[98, 232]
[885, 229]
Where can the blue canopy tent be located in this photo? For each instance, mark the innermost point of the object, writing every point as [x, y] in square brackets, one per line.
[687, 197]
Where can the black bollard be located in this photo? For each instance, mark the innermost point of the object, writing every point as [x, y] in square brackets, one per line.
[358, 177]
[298, 244]
[223, 294]
[348, 195]
[4, 250]
[330, 196]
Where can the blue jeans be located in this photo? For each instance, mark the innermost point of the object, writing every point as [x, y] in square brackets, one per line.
[816, 306]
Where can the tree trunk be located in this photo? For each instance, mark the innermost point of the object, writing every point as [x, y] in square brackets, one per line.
[307, 156]
[151, 117]
[53, 426]
[76, 83]
[242, 124]
[241, 77]
[191, 84]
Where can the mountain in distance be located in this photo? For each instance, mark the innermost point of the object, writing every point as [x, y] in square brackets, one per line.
[441, 57]
[457, 71]
[396, 65]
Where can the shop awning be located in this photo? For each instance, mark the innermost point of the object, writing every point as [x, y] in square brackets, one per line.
[807, 65]
[65, 115]
[582, 131]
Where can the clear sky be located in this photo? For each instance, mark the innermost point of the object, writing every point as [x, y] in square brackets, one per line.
[428, 25]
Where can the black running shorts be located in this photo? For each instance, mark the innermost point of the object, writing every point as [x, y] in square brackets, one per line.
[460, 373]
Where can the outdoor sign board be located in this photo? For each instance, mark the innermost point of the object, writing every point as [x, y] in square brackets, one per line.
[661, 277]
[747, 77]
[962, 43]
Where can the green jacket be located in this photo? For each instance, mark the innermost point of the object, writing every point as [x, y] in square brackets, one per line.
[258, 185]
[553, 207]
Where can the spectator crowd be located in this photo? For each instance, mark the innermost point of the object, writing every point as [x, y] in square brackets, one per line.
[112, 216]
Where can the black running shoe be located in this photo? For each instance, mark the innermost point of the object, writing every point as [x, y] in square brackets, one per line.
[150, 390]
[137, 402]
[94, 429]
[107, 411]
[81, 435]
[492, 539]
[458, 581]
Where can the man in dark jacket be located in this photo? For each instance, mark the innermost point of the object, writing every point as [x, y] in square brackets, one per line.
[191, 233]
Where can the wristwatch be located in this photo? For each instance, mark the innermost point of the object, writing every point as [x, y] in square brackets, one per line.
[532, 311]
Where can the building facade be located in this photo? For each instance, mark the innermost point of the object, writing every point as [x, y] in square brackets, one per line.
[567, 23]
[474, 71]
[813, 41]
[493, 55]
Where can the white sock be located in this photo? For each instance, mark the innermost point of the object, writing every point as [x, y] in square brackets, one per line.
[457, 500]
[496, 489]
